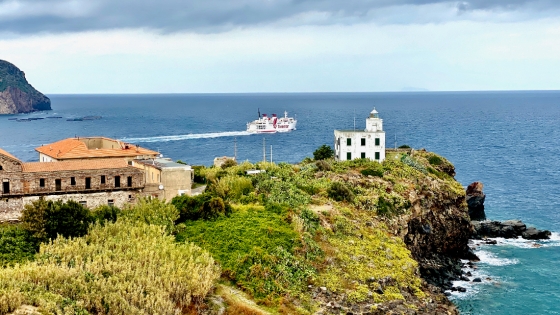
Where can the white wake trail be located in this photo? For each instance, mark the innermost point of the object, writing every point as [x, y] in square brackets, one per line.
[187, 137]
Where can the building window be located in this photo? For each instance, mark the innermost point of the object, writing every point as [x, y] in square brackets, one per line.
[348, 141]
[117, 181]
[110, 202]
[363, 141]
[83, 203]
[102, 179]
[88, 182]
[73, 181]
[1, 167]
[363, 155]
[377, 155]
[41, 182]
[6, 187]
[58, 184]
[377, 141]
[348, 156]
[129, 181]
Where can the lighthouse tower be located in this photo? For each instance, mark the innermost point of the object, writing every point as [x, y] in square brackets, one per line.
[361, 144]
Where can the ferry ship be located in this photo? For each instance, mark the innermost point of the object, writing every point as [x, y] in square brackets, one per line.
[272, 124]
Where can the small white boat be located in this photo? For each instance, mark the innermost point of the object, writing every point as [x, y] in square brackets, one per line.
[272, 124]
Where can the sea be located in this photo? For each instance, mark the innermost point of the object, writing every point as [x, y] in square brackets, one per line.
[509, 141]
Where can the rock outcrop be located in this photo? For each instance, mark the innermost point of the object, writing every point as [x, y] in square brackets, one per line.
[16, 94]
[507, 229]
[475, 201]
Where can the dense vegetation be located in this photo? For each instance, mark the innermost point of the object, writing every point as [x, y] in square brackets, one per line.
[320, 223]
[10, 75]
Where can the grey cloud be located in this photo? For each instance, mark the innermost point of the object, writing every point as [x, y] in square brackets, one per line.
[55, 16]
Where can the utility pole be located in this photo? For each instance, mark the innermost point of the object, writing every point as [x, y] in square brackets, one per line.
[264, 150]
[395, 141]
[354, 120]
[235, 148]
[270, 153]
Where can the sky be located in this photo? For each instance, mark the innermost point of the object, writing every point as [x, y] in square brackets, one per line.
[255, 46]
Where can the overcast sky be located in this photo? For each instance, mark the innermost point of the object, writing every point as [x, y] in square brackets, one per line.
[212, 46]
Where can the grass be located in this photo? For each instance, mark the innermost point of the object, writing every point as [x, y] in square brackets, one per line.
[256, 249]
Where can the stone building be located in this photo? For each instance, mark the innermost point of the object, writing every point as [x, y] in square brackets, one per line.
[365, 144]
[93, 171]
[91, 183]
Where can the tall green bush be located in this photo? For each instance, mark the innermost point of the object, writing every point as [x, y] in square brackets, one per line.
[47, 219]
[340, 192]
[16, 245]
[323, 152]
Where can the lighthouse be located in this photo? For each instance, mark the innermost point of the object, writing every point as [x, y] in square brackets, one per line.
[361, 144]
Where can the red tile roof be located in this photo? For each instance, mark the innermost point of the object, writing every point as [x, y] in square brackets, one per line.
[74, 165]
[9, 155]
[72, 148]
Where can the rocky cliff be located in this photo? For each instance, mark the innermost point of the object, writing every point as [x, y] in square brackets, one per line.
[16, 94]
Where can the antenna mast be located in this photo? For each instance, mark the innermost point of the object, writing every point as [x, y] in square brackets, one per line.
[354, 120]
[271, 153]
[395, 141]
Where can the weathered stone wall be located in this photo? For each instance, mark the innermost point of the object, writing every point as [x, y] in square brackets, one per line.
[30, 183]
[10, 209]
[92, 200]
[8, 165]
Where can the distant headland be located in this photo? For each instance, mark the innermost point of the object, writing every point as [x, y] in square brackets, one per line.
[16, 94]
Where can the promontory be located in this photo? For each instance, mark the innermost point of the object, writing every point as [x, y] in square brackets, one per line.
[16, 94]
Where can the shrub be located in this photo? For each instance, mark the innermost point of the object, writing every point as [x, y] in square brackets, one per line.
[198, 176]
[435, 160]
[340, 192]
[373, 170]
[323, 152]
[228, 163]
[213, 208]
[48, 219]
[103, 214]
[203, 206]
[16, 245]
[152, 211]
[404, 146]
[120, 268]
[323, 166]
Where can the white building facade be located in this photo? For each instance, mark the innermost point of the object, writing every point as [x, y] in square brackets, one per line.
[361, 144]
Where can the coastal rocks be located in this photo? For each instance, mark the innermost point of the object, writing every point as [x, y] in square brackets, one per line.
[16, 94]
[534, 234]
[507, 229]
[475, 201]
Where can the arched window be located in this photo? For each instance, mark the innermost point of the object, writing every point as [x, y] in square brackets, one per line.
[1, 167]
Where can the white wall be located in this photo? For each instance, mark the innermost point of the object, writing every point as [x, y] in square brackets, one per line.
[356, 149]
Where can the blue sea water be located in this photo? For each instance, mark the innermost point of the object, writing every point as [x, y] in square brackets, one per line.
[508, 140]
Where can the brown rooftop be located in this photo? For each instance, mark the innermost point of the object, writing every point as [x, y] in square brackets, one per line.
[9, 155]
[92, 147]
[74, 165]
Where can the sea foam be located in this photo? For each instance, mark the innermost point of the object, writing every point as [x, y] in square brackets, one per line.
[187, 137]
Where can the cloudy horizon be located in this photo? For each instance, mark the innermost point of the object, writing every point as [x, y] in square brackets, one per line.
[244, 46]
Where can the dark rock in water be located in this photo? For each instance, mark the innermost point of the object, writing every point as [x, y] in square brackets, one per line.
[477, 280]
[517, 225]
[461, 289]
[16, 94]
[507, 229]
[475, 200]
[534, 234]
[491, 242]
